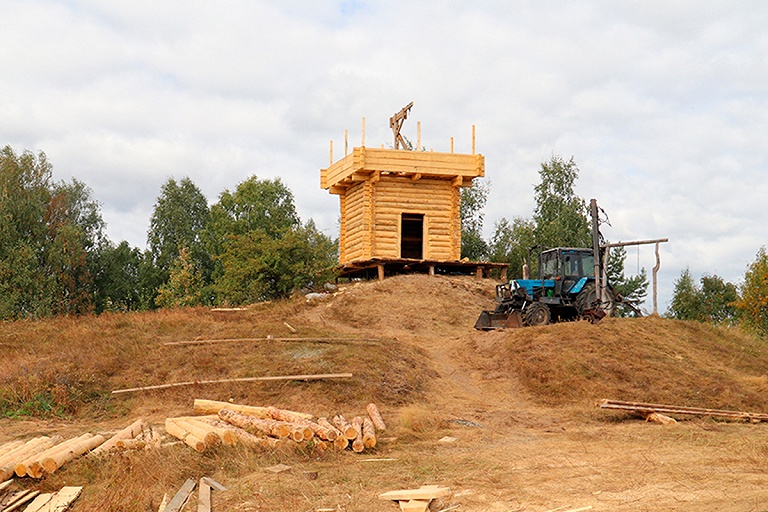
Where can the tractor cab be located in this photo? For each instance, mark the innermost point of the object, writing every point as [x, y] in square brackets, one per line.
[561, 270]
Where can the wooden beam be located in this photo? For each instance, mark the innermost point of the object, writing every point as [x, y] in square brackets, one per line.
[643, 407]
[427, 492]
[203, 496]
[181, 497]
[320, 376]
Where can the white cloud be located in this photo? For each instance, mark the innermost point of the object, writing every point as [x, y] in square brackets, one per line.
[662, 105]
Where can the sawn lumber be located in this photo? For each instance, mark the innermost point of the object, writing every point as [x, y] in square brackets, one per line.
[675, 409]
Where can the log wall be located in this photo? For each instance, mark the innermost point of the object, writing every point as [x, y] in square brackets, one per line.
[377, 186]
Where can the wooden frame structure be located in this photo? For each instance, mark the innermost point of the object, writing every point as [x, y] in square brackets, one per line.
[400, 205]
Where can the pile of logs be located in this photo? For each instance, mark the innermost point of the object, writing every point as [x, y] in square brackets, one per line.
[44, 455]
[268, 427]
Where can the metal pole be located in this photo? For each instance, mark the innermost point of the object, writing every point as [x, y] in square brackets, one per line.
[596, 248]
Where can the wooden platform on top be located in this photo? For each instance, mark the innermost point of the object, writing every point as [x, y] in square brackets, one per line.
[378, 268]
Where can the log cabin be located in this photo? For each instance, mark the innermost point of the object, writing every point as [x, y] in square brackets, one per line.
[400, 205]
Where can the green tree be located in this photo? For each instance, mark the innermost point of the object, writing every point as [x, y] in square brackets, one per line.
[185, 286]
[685, 298]
[50, 235]
[256, 205]
[719, 298]
[257, 266]
[178, 220]
[473, 200]
[510, 243]
[24, 195]
[713, 300]
[118, 281]
[75, 240]
[752, 306]
[632, 289]
[561, 217]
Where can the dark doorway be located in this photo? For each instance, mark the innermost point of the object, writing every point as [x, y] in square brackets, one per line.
[412, 236]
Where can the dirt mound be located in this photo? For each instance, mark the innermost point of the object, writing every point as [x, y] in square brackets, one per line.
[410, 305]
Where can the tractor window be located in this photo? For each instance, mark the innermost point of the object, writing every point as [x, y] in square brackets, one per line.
[579, 264]
[549, 268]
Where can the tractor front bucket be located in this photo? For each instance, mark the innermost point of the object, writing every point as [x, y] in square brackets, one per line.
[489, 320]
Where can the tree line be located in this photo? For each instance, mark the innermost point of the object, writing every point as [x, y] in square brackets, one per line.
[55, 257]
[251, 245]
[560, 218]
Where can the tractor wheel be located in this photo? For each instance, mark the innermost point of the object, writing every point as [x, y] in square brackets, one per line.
[536, 314]
[587, 299]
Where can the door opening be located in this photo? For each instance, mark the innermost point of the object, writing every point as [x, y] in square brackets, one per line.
[412, 236]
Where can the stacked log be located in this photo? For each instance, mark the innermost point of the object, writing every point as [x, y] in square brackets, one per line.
[22, 452]
[213, 407]
[48, 455]
[375, 416]
[266, 427]
[117, 441]
[345, 427]
[357, 444]
[194, 442]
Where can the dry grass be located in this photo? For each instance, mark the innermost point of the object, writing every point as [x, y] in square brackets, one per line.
[519, 402]
[649, 360]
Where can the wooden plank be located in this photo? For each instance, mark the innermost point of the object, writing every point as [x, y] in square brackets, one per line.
[20, 500]
[414, 505]
[424, 493]
[203, 496]
[321, 376]
[181, 497]
[62, 499]
[39, 502]
[674, 409]
[213, 484]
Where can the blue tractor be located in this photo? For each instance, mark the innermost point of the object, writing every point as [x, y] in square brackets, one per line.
[566, 289]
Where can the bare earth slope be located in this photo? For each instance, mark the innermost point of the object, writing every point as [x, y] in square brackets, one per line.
[519, 402]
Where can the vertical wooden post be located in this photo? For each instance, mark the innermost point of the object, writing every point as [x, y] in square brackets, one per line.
[479, 272]
[451, 144]
[418, 136]
[431, 270]
[504, 274]
[380, 268]
[473, 139]
[346, 142]
[330, 151]
[655, 270]
[363, 142]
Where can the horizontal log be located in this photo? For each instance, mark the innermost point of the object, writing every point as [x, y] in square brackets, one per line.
[674, 409]
[279, 429]
[129, 432]
[345, 427]
[242, 379]
[203, 432]
[55, 461]
[173, 429]
[202, 406]
[26, 449]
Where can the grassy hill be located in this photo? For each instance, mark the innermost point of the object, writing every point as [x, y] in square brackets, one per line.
[410, 345]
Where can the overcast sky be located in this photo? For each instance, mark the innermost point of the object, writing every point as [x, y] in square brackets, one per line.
[662, 104]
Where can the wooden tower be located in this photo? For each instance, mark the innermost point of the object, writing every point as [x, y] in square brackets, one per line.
[399, 205]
